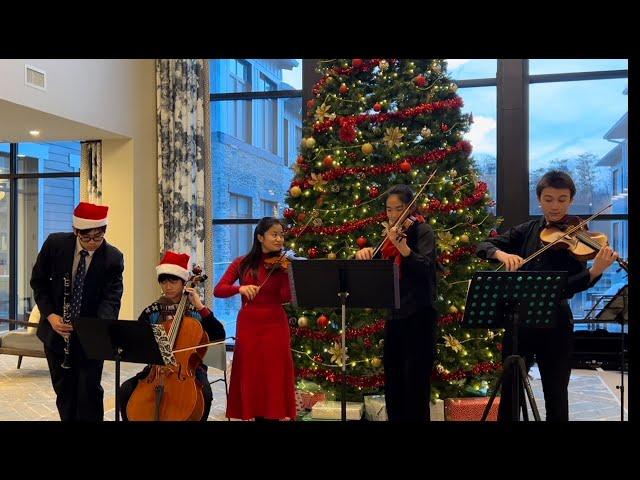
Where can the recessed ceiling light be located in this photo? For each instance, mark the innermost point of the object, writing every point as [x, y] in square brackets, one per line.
[34, 133]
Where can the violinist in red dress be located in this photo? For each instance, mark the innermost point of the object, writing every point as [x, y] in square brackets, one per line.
[262, 375]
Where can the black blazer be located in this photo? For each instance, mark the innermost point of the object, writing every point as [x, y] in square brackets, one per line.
[418, 272]
[102, 290]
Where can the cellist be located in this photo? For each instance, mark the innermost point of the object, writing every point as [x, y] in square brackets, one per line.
[172, 273]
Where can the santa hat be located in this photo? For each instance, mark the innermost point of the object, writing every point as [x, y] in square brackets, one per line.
[174, 264]
[88, 216]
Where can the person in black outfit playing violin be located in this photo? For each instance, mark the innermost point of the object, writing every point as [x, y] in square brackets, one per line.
[409, 341]
[552, 347]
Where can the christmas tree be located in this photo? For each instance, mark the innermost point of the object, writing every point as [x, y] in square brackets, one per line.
[373, 124]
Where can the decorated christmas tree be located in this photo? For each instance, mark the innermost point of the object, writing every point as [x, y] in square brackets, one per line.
[374, 124]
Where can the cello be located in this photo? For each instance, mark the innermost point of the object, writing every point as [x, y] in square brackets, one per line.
[171, 392]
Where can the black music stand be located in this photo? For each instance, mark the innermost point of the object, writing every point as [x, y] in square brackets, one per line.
[118, 340]
[615, 311]
[514, 299]
[328, 283]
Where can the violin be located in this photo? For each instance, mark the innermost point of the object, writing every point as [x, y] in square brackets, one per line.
[406, 219]
[404, 227]
[278, 261]
[583, 244]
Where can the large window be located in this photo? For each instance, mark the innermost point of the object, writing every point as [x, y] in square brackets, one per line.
[578, 124]
[39, 184]
[256, 128]
[481, 102]
[568, 114]
[477, 84]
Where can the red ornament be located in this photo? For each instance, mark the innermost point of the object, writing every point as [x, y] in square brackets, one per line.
[377, 107]
[374, 192]
[323, 321]
[493, 233]
[405, 166]
[444, 127]
[362, 242]
[357, 62]
[420, 80]
[289, 213]
[343, 88]
[311, 103]
[328, 161]
[318, 358]
[348, 133]
[300, 160]
[313, 252]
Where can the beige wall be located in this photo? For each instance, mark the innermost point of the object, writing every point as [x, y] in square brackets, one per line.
[101, 93]
[117, 96]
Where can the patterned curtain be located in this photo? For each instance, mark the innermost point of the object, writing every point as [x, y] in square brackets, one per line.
[91, 172]
[182, 156]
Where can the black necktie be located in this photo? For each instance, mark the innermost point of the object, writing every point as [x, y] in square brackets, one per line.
[78, 282]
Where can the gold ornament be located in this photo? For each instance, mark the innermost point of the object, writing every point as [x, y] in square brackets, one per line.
[310, 142]
[318, 182]
[393, 137]
[331, 256]
[425, 132]
[453, 343]
[295, 191]
[367, 149]
[464, 238]
[453, 173]
[453, 309]
[446, 241]
[384, 65]
[303, 322]
[453, 88]
[322, 112]
[376, 362]
[338, 354]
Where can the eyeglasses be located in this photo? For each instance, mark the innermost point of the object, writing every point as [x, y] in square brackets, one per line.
[89, 238]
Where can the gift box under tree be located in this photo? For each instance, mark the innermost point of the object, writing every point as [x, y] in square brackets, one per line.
[469, 409]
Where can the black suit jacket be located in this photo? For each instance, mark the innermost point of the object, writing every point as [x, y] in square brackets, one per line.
[418, 272]
[102, 290]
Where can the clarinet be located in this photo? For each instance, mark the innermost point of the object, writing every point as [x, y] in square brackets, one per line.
[66, 318]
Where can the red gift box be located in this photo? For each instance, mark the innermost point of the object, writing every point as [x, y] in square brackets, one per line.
[309, 399]
[469, 409]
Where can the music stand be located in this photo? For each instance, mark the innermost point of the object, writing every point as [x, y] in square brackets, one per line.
[328, 283]
[120, 340]
[617, 311]
[503, 299]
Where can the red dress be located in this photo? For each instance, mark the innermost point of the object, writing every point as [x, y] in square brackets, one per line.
[262, 375]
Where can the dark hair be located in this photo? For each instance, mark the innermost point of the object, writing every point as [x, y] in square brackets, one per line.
[167, 276]
[252, 259]
[85, 231]
[403, 191]
[556, 179]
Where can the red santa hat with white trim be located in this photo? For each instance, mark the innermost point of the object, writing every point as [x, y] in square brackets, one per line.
[174, 264]
[87, 216]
